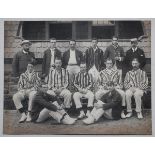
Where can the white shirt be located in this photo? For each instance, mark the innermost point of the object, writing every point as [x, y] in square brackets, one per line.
[52, 56]
[72, 58]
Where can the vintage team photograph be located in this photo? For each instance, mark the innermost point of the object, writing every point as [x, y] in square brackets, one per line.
[77, 77]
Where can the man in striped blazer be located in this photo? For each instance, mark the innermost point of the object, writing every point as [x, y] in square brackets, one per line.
[110, 74]
[27, 88]
[83, 82]
[58, 82]
[135, 83]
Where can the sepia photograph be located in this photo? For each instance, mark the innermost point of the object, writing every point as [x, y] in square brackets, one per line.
[77, 77]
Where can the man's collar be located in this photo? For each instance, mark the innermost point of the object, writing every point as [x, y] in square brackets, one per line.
[95, 48]
[25, 52]
[52, 49]
[135, 70]
[134, 49]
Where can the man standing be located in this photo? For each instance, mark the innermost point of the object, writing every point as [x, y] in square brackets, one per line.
[72, 60]
[110, 74]
[135, 83]
[58, 83]
[134, 52]
[94, 59]
[49, 57]
[21, 59]
[109, 105]
[83, 82]
[115, 52]
[27, 88]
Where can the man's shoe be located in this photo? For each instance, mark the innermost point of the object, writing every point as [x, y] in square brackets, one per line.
[68, 120]
[88, 113]
[139, 115]
[129, 115]
[23, 118]
[89, 120]
[82, 115]
[28, 119]
[123, 115]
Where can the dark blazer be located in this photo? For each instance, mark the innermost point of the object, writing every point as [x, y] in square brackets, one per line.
[47, 60]
[113, 101]
[139, 54]
[66, 56]
[94, 58]
[20, 61]
[111, 53]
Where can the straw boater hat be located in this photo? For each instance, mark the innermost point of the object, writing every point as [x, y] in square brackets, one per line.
[25, 42]
[134, 40]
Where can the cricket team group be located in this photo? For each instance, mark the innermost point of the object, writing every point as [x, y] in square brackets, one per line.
[96, 76]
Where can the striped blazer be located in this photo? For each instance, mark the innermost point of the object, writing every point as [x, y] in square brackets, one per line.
[114, 75]
[58, 79]
[136, 79]
[27, 83]
[83, 80]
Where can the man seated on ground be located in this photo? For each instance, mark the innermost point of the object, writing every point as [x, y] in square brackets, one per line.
[45, 106]
[110, 74]
[83, 82]
[27, 88]
[58, 83]
[109, 105]
[135, 83]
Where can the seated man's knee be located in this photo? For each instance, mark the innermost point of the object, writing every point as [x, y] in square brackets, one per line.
[76, 95]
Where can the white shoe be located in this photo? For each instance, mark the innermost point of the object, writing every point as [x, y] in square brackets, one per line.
[88, 113]
[89, 120]
[23, 118]
[123, 115]
[28, 119]
[68, 120]
[129, 115]
[139, 115]
[82, 115]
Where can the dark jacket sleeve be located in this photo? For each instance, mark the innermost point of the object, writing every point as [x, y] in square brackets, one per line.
[15, 64]
[114, 102]
[44, 63]
[142, 59]
[64, 61]
[106, 53]
[102, 59]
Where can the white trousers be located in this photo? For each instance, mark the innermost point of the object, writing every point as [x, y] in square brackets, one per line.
[137, 95]
[21, 95]
[77, 96]
[101, 92]
[45, 113]
[99, 112]
[66, 94]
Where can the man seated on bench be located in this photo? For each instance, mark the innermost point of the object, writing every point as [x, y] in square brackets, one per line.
[110, 74]
[27, 88]
[109, 105]
[135, 83]
[83, 82]
[58, 83]
[46, 106]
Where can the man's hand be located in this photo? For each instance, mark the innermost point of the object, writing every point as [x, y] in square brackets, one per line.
[132, 89]
[85, 91]
[98, 106]
[57, 91]
[80, 90]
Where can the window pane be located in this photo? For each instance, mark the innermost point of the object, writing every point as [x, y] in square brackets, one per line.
[60, 31]
[34, 30]
[130, 29]
[82, 30]
[103, 32]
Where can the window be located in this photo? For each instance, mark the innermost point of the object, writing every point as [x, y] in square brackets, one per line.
[103, 29]
[65, 30]
[130, 29]
[60, 30]
[33, 30]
